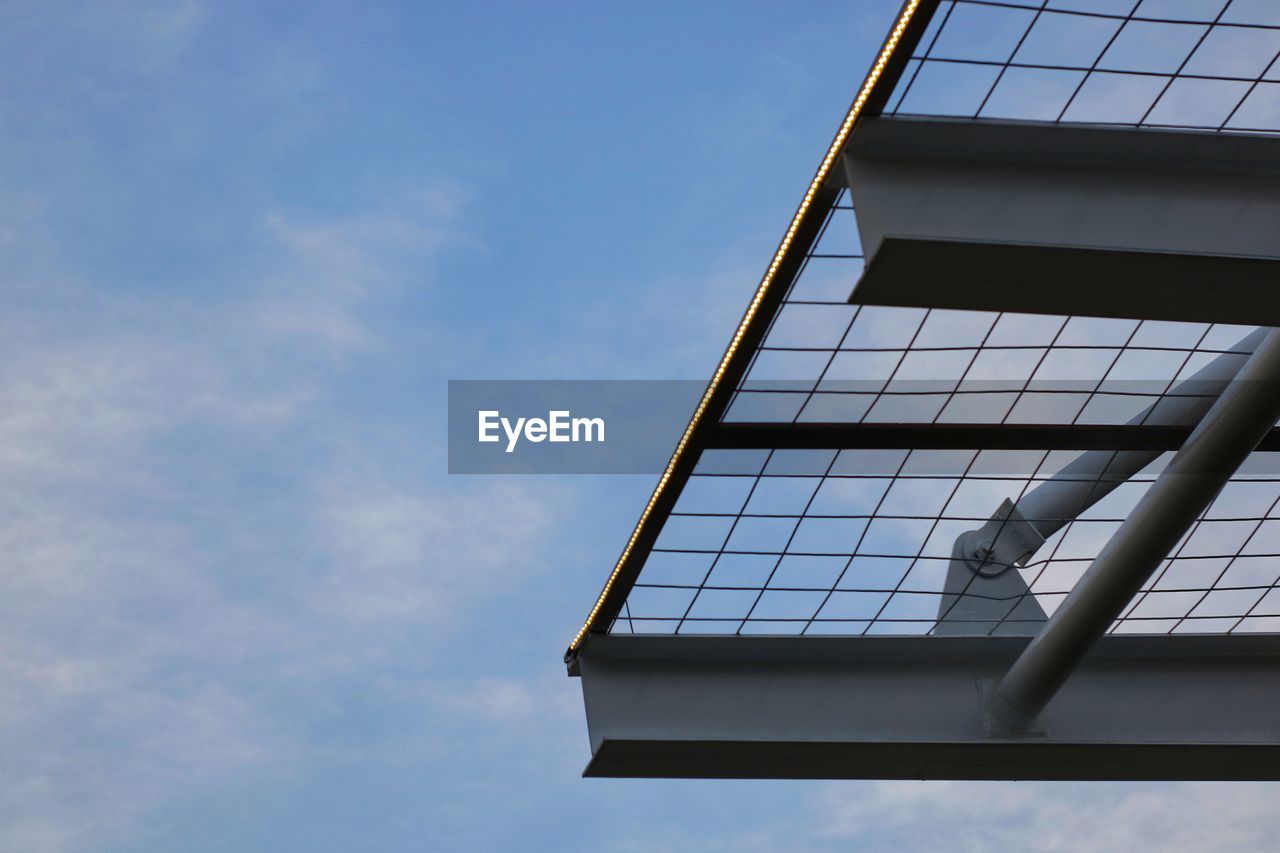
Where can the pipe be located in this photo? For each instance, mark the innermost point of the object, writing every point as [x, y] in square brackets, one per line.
[1241, 416]
[980, 582]
[1095, 474]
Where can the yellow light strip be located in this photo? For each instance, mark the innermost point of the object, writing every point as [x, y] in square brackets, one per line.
[824, 169]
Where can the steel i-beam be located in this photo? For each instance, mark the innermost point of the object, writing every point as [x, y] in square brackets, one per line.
[1041, 217]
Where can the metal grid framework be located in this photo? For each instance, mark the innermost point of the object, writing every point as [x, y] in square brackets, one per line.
[858, 542]
[826, 361]
[854, 541]
[1192, 64]
[827, 541]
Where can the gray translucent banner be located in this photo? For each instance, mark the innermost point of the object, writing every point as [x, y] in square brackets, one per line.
[631, 426]
[588, 426]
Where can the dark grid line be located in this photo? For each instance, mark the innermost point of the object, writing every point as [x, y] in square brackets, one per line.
[727, 537]
[804, 264]
[1145, 19]
[862, 536]
[1007, 63]
[1204, 593]
[1093, 66]
[790, 538]
[976, 478]
[906, 88]
[1132, 72]
[1182, 65]
[926, 621]
[1103, 61]
[984, 596]
[924, 543]
[1253, 85]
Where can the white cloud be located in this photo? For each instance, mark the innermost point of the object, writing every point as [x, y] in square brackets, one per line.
[509, 702]
[422, 556]
[1051, 816]
[323, 274]
[110, 638]
[133, 37]
[184, 508]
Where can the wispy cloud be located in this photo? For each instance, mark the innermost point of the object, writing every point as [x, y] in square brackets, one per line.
[128, 36]
[425, 556]
[1051, 816]
[322, 274]
[184, 507]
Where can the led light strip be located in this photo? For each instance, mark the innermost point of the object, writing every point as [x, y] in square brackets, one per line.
[837, 145]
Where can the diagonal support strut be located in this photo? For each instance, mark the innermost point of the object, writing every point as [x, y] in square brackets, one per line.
[1247, 408]
[981, 584]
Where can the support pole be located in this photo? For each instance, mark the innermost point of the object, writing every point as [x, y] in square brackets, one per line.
[980, 580]
[1246, 410]
[1096, 473]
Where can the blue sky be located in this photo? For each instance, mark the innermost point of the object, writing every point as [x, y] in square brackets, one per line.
[244, 246]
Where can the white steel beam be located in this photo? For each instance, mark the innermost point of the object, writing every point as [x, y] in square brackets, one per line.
[1060, 219]
[1175, 707]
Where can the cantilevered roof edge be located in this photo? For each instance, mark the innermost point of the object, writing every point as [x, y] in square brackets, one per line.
[909, 25]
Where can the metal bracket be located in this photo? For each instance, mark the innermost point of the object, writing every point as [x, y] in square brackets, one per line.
[1005, 541]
